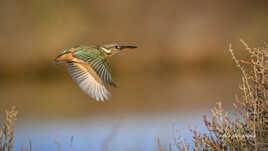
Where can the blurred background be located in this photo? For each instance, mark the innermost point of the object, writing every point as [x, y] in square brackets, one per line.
[179, 71]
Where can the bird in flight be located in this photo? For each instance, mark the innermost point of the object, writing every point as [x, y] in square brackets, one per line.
[89, 68]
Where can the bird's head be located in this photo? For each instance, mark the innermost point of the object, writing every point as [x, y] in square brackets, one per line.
[112, 49]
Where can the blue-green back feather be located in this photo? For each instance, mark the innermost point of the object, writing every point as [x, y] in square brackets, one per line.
[97, 60]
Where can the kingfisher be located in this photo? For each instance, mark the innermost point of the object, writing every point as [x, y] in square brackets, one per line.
[89, 68]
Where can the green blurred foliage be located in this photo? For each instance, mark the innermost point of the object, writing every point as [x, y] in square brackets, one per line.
[171, 35]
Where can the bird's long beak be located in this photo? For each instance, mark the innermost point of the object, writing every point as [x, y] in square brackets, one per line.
[125, 47]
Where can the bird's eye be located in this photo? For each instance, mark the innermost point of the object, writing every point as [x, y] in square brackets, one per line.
[117, 47]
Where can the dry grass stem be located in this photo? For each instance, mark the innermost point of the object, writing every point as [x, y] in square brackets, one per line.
[248, 131]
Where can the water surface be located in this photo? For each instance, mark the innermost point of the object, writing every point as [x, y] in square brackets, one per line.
[140, 110]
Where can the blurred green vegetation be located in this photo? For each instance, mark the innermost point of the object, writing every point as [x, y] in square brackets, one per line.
[173, 36]
[182, 50]
[181, 64]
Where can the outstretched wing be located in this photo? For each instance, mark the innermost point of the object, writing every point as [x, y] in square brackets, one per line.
[102, 68]
[88, 81]
[98, 63]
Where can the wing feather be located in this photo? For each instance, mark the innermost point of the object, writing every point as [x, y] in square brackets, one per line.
[86, 81]
[101, 67]
[98, 63]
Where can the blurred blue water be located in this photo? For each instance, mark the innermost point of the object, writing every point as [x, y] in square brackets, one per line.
[116, 132]
[133, 119]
